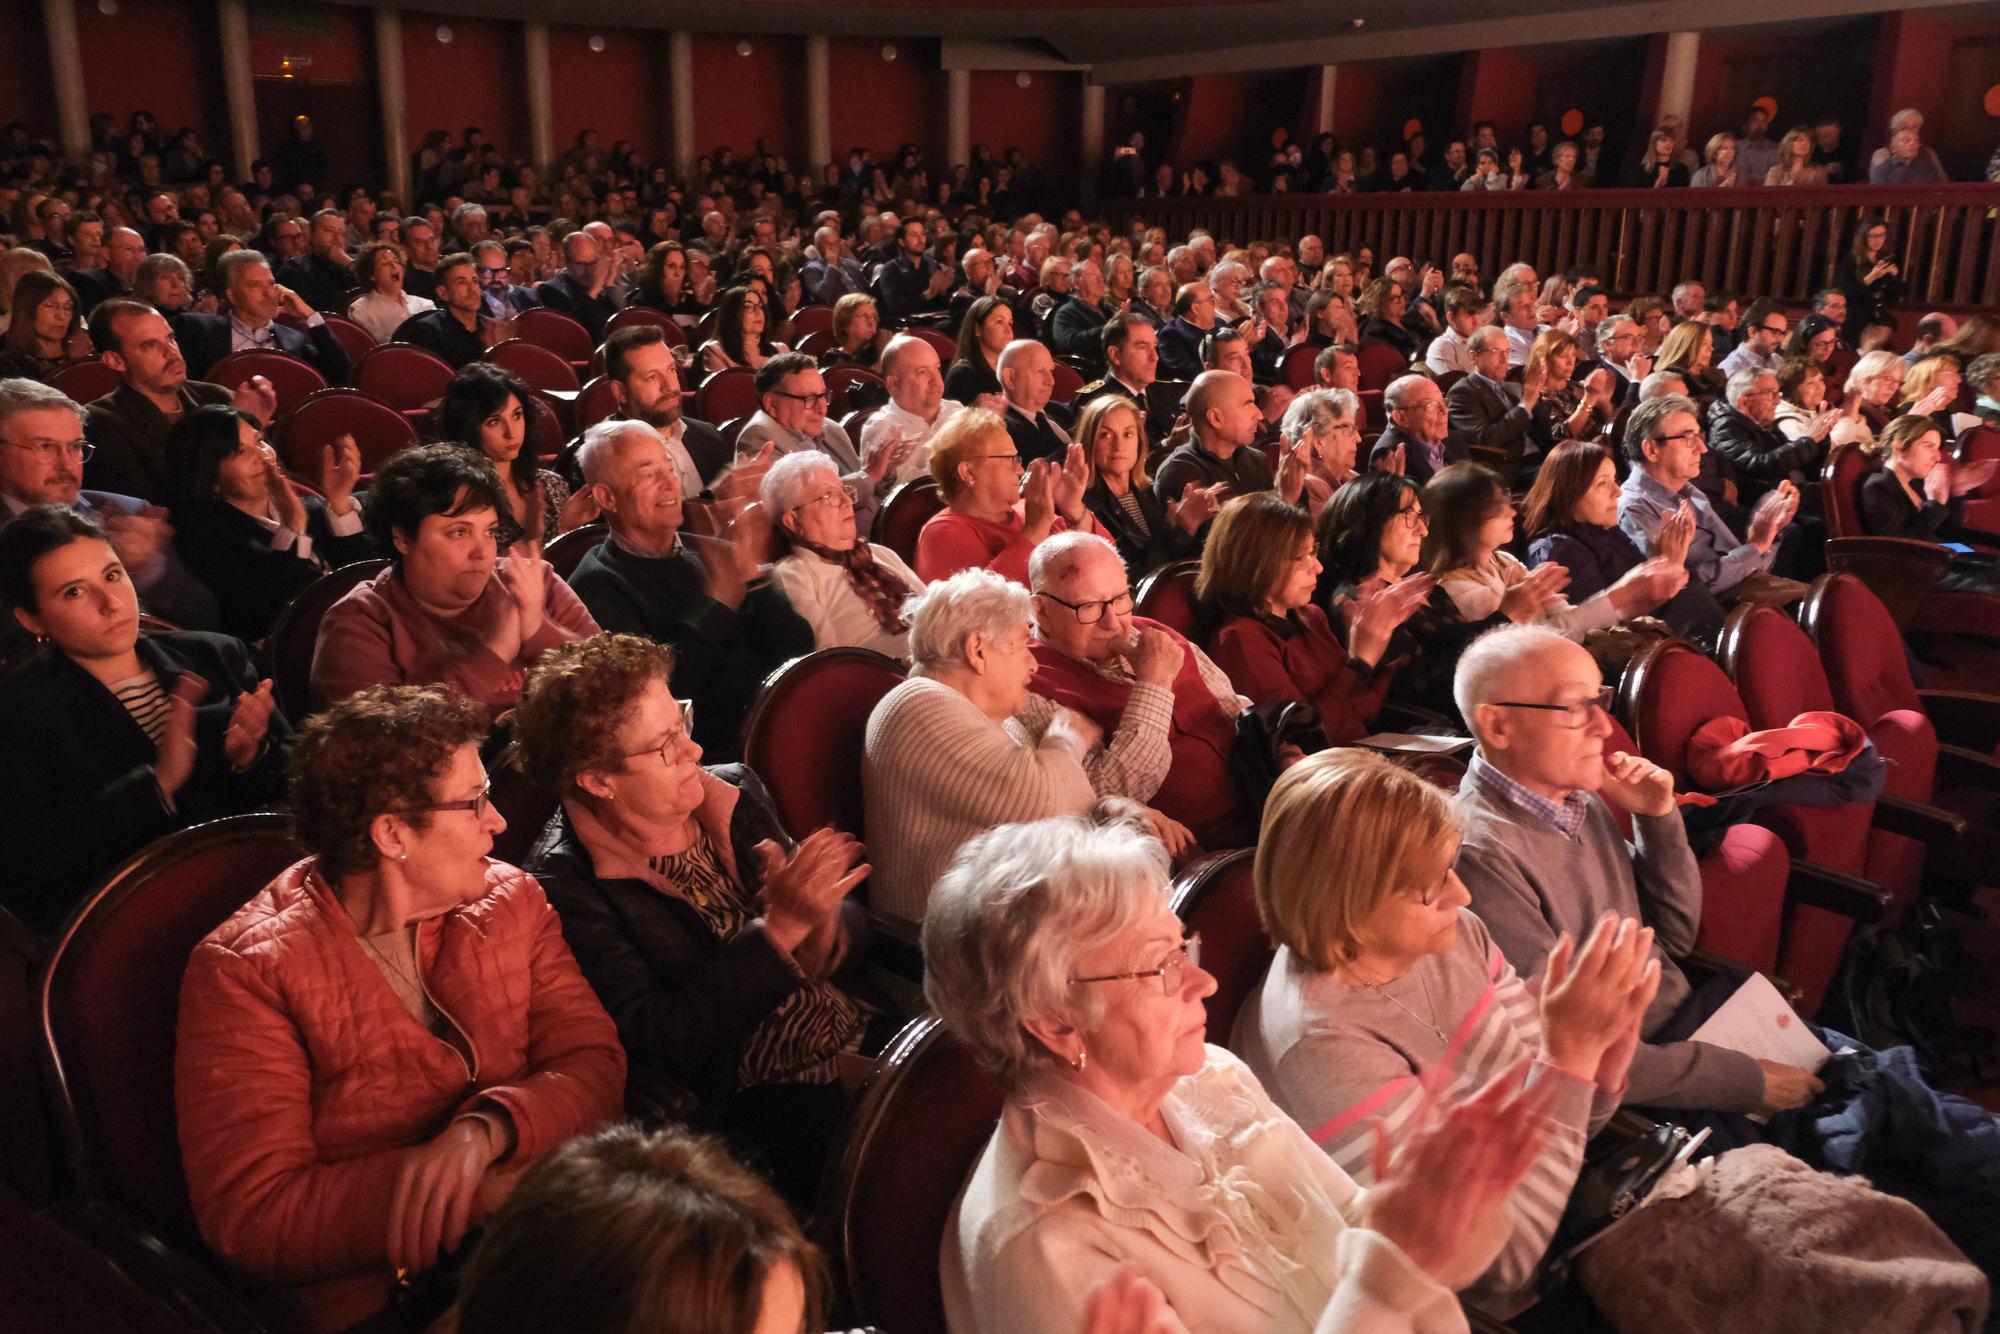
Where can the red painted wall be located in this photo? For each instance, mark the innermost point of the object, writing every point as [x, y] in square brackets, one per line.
[158, 55]
[739, 99]
[473, 80]
[26, 92]
[1499, 86]
[883, 104]
[1043, 120]
[1807, 75]
[621, 91]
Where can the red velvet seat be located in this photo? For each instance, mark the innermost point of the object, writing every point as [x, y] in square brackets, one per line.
[566, 552]
[1069, 383]
[28, 1153]
[85, 380]
[288, 649]
[910, 1138]
[109, 1001]
[903, 516]
[1167, 596]
[378, 430]
[726, 393]
[1296, 367]
[1982, 503]
[1215, 897]
[354, 340]
[941, 343]
[291, 379]
[403, 375]
[815, 344]
[1902, 571]
[595, 402]
[539, 368]
[637, 315]
[555, 332]
[1380, 363]
[841, 383]
[810, 320]
[805, 731]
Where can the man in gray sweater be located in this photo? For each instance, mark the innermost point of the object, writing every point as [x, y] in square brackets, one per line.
[1543, 854]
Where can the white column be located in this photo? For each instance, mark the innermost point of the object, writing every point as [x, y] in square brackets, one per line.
[1327, 74]
[1677, 76]
[1091, 159]
[395, 100]
[234, 19]
[680, 92]
[541, 104]
[958, 117]
[819, 104]
[66, 66]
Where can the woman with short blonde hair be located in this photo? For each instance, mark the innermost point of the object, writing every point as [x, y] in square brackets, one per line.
[993, 515]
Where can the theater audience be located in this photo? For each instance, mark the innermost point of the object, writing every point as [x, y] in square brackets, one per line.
[645, 379]
[1688, 353]
[485, 410]
[1323, 427]
[792, 419]
[244, 529]
[110, 738]
[580, 290]
[255, 299]
[373, 1049]
[453, 330]
[1485, 410]
[1053, 955]
[742, 336]
[712, 939]
[1663, 443]
[321, 275]
[46, 329]
[1181, 337]
[987, 329]
[993, 515]
[849, 590]
[1386, 993]
[449, 610]
[382, 309]
[1147, 531]
[1131, 357]
[612, 1229]
[124, 250]
[917, 409]
[1919, 493]
[858, 336]
[1743, 428]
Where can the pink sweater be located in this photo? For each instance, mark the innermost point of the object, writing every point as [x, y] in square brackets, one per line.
[951, 542]
[379, 635]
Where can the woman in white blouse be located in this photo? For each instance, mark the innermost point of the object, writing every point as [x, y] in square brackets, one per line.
[384, 306]
[851, 591]
[1127, 1141]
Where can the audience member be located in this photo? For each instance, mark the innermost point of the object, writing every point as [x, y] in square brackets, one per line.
[742, 332]
[1871, 280]
[1906, 160]
[1148, 532]
[1040, 429]
[453, 329]
[124, 250]
[1765, 327]
[1223, 420]
[1743, 428]
[858, 335]
[911, 282]
[383, 308]
[255, 298]
[579, 290]
[46, 329]
[1131, 357]
[645, 380]
[1417, 442]
[1181, 337]
[792, 419]
[323, 275]
[485, 410]
[983, 335]
[849, 590]
[1484, 410]
[1465, 310]
[993, 515]
[1919, 493]
[916, 412]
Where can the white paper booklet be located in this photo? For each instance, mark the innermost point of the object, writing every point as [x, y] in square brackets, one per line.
[1757, 1022]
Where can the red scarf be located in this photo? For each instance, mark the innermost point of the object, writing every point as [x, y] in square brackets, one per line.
[881, 588]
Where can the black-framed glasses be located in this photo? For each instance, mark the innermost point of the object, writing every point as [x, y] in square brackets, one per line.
[670, 743]
[1781, 330]
[1170, 973]
[1090, 613]
[50, 449]
[1014, 458]
[1679, 437]
[822, 398]
[1574, 715]
[1413, 517]
[477, 805]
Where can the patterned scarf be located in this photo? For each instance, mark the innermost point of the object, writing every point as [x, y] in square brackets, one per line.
[882, 589]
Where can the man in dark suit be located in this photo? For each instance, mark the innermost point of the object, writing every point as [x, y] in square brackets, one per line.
[832, 275]
[912, 282]
[452, 331]
[1180, 338]
[1132, 357]
[322, 275]
[1077, 325]
[1419, 430]
[578, 291]
[1039, 428]
[124, 249]
[1483, 409]
[254, 298]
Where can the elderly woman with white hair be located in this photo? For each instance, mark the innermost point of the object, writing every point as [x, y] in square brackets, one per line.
[849, 590]
[1226, 280]
[1126, 1140]
[1322, 429]
[945, 758]
[1872, 387]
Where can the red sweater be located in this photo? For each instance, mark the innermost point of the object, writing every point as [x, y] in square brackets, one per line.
[951, 542]
[1300, 659]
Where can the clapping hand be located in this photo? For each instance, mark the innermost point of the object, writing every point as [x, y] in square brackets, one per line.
[1067, 486]
[1646, 585]
[248, 722]
[804, 889]
[1531, 599]
[1395, 461]
[1378, 614]
[1773, 512]
[1196, 506]
[291, 511]
[1292, 469]
[174, 763]
[256, 397]
[339, 473]
[1674, 535]
[1038, 506]
[1594, 997]
[1936, 400]
[138, 538]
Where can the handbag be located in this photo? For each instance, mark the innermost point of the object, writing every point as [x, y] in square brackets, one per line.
[1262, 732]
[1618, 1175]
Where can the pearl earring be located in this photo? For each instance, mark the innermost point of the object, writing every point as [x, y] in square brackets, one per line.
[1082, 1059]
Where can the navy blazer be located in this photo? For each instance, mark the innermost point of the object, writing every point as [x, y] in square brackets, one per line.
[204, 340]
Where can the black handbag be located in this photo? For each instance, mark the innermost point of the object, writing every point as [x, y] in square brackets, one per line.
[1617, 1176]
[1262, 731]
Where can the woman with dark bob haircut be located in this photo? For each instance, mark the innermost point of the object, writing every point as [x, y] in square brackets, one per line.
[742, 331]
[110, 738]
[717, 944]
[449, 609]
[485, 409]
[241, 525]
[373, 1049]
[634, 1231]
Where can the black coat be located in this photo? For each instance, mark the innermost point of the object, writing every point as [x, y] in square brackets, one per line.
[204, 340]
[1034, 439]
[1762, 456]
[76, 772]
[232, 553]
[1142, 551]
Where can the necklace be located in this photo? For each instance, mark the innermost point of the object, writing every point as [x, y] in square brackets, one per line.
[1427, 1022]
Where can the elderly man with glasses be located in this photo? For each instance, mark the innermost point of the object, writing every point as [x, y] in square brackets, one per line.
[1663, 440]
[1167, 712]
[791, 416]
[1743, 429]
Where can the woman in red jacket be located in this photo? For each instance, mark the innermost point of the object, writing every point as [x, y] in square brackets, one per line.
[374, 1047]
[1258, 573]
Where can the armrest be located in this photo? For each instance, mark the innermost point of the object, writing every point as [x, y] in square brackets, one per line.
[1959, 767]
[187, 1285]
[1836, 891]
[1715, 965]
[1964, 717]
[1933, 826]
[896, 945]
[1414, 719]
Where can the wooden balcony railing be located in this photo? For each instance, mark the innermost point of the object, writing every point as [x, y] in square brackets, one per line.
[1784, 243]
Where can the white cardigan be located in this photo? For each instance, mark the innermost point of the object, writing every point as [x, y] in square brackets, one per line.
[1245, 1226]
[820, 591]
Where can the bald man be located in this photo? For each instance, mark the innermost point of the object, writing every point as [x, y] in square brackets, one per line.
[578, 291]
[1040, 429]
[124, 250]
[916, 408]
[1223, 416]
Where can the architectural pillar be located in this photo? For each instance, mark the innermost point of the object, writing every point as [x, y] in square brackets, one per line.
[1090, 163]
[680, 93]
[233, 17]
[1677, 76]
[958, 118]
[1324, 123]
[395, 101]
[541, 103]
[819, 105]
[66, 67]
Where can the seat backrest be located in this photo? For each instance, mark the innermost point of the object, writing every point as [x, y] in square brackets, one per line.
[378, 430]
[555, 332]
[1867, 670]
[28, 1154]
[403, 375]
[1977, 445]
[815, 344]
[1167, 596]
[1068, 383]
[1296, 369]
[1774, 665]
[632, 315]
[1846, 467]
[805, 732]
[731, 392]
[1667, 692]
[810, 320]
[538, 367]
[910, 1138]
[904, 514]
[354, 340]
[292, 380]
[1215, 896]
[945, 346]
[109, 999]
[566, 552]
[595, 402]
[84, 380]
[1379, 362]
[841, 383]
[288, 649]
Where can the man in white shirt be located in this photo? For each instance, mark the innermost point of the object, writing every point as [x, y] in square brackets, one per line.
[1516, 303]
[916, 408]
[1465, 309]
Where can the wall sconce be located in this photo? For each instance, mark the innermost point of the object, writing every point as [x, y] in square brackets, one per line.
[444, 33]
[596, 42]
[743, 48]
[1022, 78]
[889, 51]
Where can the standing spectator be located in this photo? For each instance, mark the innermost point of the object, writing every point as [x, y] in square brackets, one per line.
[1755, 153]
[1906, 161]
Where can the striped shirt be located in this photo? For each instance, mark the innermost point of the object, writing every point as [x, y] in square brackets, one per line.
[1341, 1058]
[145, 699]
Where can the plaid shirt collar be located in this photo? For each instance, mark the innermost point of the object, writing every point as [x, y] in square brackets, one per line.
[1565, 817]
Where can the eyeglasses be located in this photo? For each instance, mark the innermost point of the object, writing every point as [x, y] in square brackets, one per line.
[1187, 954]
[49, 450]
[1678, 437]
[672, 741]
[1090, 613]
[846, 489]
[477, 805]
[1413, 518]
[1573, 715]
[1014, 458]
[820, 398]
